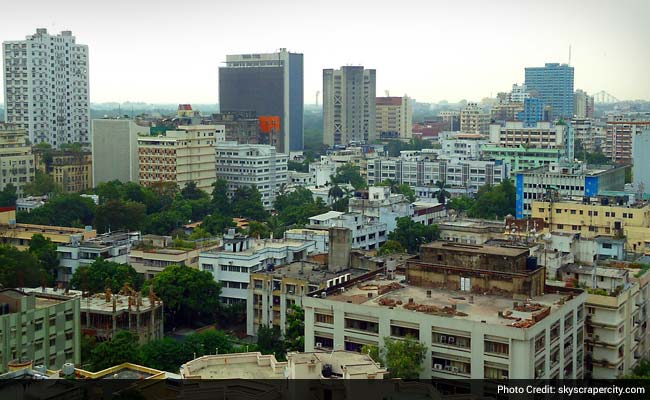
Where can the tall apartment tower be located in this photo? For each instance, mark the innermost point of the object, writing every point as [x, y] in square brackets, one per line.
[46, 87]
[584, 104]
[553, 83]
[349, 108]
[270, 84]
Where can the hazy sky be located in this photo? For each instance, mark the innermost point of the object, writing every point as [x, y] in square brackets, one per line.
[163, 51]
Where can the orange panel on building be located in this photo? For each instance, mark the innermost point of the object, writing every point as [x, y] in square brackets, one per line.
[269, 123]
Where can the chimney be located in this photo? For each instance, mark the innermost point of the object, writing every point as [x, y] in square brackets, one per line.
[338, 257]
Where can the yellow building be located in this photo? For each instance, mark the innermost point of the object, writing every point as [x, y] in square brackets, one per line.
[593, 219]
[16, 158]
[20, 235]
[183, 155]
[72, 171]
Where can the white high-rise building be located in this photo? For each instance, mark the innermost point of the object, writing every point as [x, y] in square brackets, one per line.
[258, 165]
[46, 87]
[349, 107]
[115, 150]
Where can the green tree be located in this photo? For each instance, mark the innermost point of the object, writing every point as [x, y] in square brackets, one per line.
[298, 166]
[461, 203]
[164, 354]
[407, 191]
[8, 196]
[61, 210]
[192, 192]
[349, 173]
[42, 184]
[247, 203]
[391, 247]
[20, 268]
[102, 274]
[220, 200]
[116, 215]
[403, 357]
[258, 229]
[269, 341]
[123, 347]
[209, 342]
[294, 335]
[442, 194]
[87, 344]
[411, 235]
[335, 193]
[373, 352]
[494, 201]
[45, 250]
[189, 295]
[216, 224]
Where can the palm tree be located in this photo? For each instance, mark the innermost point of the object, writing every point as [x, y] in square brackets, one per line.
[335, 193]
[441, 194]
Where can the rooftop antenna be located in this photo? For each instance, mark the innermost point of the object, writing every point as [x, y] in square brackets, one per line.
[569, 54]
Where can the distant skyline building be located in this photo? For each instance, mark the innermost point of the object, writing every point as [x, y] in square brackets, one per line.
[474, 120]
[394, 116]
[519, 93]
[270, 84]
[584, 104]
[553, 83]
[533, 112]
[349, 105]
[46, 87]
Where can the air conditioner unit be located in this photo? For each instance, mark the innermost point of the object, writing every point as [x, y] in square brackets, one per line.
[319, 345]
[443, 339]
[451, 340]
[448, 367]
[437, 366]
[454, 369]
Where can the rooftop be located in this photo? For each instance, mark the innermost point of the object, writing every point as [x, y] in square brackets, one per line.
[235, 366]
[260, 245]
[96, 302]
[478, 249]
[327, 216]
[609, 272]
[491, 309]
[310, 272]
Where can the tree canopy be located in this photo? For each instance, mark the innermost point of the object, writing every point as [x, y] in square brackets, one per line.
[102, 274]
[491, 202]
[349, 173]
[189, 295]
[269, 341]
[61, 210]
[411, 235]
[8, 196]
[123, 347]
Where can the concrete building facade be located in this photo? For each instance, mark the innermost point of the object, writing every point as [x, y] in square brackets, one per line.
[270, 84]
[46, 87]
[483, 336]
[39, 328]
[394, 117]
[620, 133]
[553, 84]
[17, 166]
[115, 150]
[474, 120]
[259, 165]
[181, 156]
[349, 108]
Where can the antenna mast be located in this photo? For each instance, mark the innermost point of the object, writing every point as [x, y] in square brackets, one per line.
[569, 54]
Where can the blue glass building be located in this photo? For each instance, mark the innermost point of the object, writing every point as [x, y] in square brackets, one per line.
[553, 84]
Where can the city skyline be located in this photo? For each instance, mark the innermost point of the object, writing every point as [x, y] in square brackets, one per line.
[162, 53]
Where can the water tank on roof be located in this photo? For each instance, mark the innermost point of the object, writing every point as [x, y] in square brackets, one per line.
[68, 369]
[327, 370]
[40, 369]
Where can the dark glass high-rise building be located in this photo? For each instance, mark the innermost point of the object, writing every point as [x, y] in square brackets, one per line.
[553, 84]
[270, 84]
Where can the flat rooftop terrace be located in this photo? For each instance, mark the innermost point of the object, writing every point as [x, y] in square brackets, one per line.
[94, 303]
[477, 249]
[493, 309]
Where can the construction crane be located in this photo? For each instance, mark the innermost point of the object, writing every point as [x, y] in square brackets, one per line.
[387, 93]
[317, 94]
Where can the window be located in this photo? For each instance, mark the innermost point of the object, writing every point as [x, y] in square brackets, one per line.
[497, 348]
[540, 342]
[324, 318]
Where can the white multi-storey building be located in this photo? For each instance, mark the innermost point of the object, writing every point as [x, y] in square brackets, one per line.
[543, 135]
[519, 93]
[232, 263]
[259, 165]
[461, 147]
[46, 87]
[367, 232]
